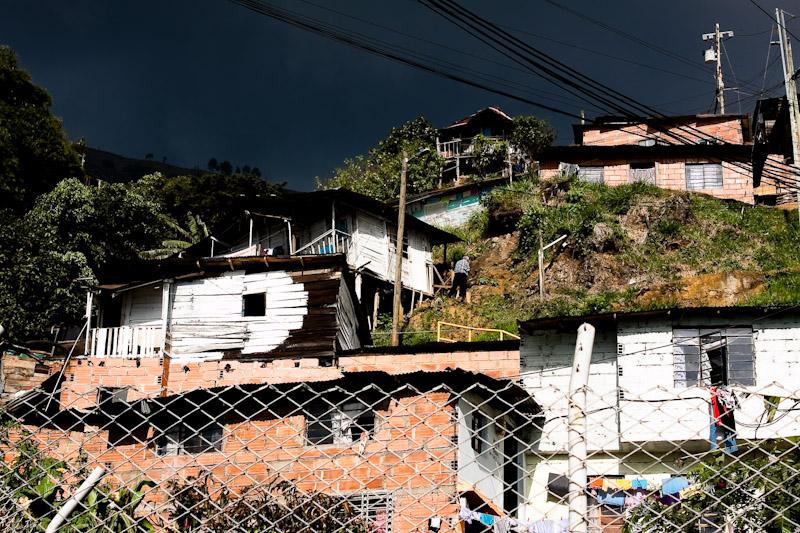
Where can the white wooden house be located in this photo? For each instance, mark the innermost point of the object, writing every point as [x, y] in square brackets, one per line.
[338, 221]
[648, 392]
[226, 308]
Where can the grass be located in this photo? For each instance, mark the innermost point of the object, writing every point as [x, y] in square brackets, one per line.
[646, 237]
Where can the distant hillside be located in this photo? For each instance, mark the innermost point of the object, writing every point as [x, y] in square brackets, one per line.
[632, 247]
[111, 167]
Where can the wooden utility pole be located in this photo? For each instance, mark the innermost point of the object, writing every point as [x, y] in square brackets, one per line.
[791, 91]
[717, 36]
[397, 308]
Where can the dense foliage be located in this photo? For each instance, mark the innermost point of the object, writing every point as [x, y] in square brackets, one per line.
[34, 154]
[532, 135]
[377, 173]
[755, 491]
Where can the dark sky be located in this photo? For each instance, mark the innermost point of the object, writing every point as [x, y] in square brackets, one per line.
[192, 79]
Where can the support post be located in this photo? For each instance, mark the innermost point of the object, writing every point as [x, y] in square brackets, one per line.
[376, 304]
[717, 37]
[66, 509]
[540, 256]
[576, 428]
[397, 309]
[791, 92]
[250, 235]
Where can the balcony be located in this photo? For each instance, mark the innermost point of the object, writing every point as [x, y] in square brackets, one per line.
[330, 242]
[126, 341]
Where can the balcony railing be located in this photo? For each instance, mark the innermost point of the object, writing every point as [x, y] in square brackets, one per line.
[330, 242]
[126, 341]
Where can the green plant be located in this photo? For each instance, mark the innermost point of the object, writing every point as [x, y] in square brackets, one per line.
[532, 135]
[756, 489]
[488, 155]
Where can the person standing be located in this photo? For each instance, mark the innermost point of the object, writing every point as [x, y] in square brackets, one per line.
[460, 279]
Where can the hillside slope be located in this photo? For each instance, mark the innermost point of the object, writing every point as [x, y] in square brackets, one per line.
[628, 248]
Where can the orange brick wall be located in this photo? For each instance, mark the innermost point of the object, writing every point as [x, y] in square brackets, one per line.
[143, 376]
[727, 129]
[671, 174]
[411, 454]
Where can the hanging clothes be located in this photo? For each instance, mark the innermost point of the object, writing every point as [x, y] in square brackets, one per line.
[723, 402]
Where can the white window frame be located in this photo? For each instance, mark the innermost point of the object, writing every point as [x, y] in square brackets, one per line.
[712, 176]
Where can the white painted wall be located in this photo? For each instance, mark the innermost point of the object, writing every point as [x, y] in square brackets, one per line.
[653, 412]
[142, 306]
[372, 246]
[438, 214]
[546, 364]
[484, 471]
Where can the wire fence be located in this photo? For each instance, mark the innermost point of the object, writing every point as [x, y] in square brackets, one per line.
[439, 451]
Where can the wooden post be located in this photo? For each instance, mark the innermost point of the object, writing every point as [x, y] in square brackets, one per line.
[333, 225]
[576, 430]
[397, 309]
[376, 304]
[541, 265]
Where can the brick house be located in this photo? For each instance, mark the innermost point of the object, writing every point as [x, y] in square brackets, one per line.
[406, 447]
[619, 150]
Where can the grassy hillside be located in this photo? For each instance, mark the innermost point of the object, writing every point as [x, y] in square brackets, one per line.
[632, 247]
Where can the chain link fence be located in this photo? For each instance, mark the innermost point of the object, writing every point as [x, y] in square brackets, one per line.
[438, 451]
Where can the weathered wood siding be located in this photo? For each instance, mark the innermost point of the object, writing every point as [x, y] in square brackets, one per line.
[142, 306]
[207, 314]
[306, 313]
[372, 244]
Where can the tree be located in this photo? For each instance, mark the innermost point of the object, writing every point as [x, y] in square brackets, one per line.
[213, 164]
[34, 152]
[51, 255]
[226, 168]
[488, 155]
[218, 200]
[377, 173]
[532, 135]
[183, 237]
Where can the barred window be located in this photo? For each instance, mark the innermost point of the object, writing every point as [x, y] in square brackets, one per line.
[377, 508]
[713, 356]
[480, 432]
[703, 175]
[591, 174]
[186, 438]
[339, 424]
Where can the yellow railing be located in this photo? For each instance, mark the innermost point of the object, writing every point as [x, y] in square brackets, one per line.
[470, 329]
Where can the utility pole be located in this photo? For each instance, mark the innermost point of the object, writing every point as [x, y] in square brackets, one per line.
[397, 309]
[717, 36]
[791, 89]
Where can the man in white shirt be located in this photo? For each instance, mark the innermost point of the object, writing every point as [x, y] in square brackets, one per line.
[460, 278]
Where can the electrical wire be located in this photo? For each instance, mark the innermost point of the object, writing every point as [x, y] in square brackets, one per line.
[450, 10]
[770, 17]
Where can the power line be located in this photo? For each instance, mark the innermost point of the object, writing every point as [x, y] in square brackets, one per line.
[489, 32]
[770, 18]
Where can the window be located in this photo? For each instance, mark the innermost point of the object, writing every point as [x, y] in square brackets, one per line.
[254, 304]
[108, 395]
[642, 173]
[393, 242]
[703, 176]
[713, 356]
[480, 432]
[591, 174]
[377, 508]
[189, 438]
[339, 424]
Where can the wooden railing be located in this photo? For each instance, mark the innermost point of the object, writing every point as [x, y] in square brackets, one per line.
[126, 341]
[330, 242]
[470, 329]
